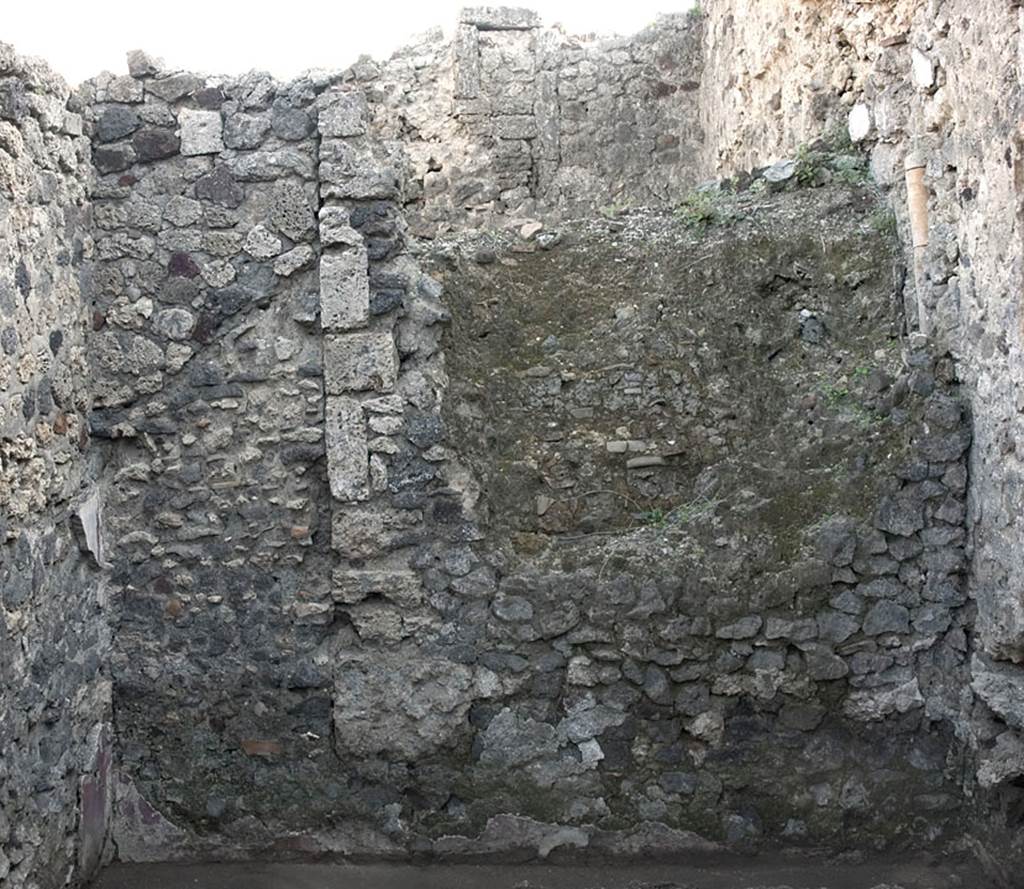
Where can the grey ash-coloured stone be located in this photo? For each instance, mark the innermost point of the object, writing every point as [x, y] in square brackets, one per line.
[342, 115]
[245, 131]
[886, 617]
[141, 64]
[360, 362]
[499, 18]
[335, 228]
[174, 323]
[116, 122]
[744, 628]
[344, 289]
[290, 123]
[291, 212]
[172, 87]
[900, 515]
[13, 100]
[261, 243]
[347, 456]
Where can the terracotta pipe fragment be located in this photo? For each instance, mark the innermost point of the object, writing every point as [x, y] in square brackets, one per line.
[917, 203]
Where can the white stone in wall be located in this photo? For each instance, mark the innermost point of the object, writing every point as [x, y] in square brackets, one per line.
[344, 289]
[360, 362]
[499, 18]
[922, 69]
[201, 132]
[347, 456]
[356, 169]
[859, 122]
[294, 260]
[467, 62]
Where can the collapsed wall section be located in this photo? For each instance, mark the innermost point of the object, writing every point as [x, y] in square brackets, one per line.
[352, 617]
[512, 119]
[54, 629]
[347, 627]
[725, 515]
[942, 79]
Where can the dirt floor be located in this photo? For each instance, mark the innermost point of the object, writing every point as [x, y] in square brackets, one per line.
[760, 873]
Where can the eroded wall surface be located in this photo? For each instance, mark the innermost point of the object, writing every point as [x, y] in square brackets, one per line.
[512, 119]
[944, 79]
[579, 541]
[54, 628]
[364, 608]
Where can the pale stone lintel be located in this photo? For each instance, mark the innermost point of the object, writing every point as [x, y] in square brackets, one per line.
[499, 18]
[402, 587]
[347, 455]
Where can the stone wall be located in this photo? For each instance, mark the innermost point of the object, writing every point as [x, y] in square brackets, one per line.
[54, 630]
[513, 119]
[942, 78]
[358, 615]
[642, 532]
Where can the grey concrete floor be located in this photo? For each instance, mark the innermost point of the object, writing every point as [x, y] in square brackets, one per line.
[759, 873]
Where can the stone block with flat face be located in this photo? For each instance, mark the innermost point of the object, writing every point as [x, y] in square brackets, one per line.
[499, 18]
[344, 289]
[347, 456]
[467, 62]
[344, 116]
[373, 531]
[202, 132]
[360, 362]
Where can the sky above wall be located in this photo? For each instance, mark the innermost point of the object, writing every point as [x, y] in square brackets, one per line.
[81, 39]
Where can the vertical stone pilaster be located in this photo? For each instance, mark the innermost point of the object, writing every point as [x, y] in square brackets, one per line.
[466, 50]
[360, 356]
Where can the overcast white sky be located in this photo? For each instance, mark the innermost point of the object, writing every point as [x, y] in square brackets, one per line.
[80, 38]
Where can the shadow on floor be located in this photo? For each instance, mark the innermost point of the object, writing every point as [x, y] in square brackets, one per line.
[758, 873]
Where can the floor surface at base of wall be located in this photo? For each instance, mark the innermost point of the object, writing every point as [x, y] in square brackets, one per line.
[732, 873]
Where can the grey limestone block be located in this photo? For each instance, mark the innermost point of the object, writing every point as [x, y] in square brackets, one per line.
[360, 362]
[347, 456]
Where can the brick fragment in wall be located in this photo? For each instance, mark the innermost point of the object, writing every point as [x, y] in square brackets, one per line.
[347, 456]
[344, 289]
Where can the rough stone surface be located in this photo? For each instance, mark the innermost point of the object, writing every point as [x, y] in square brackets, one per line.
[55, 626]
[344, 290]
[201, 132]
[360, 362]
[655, 529]
[943, 80]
